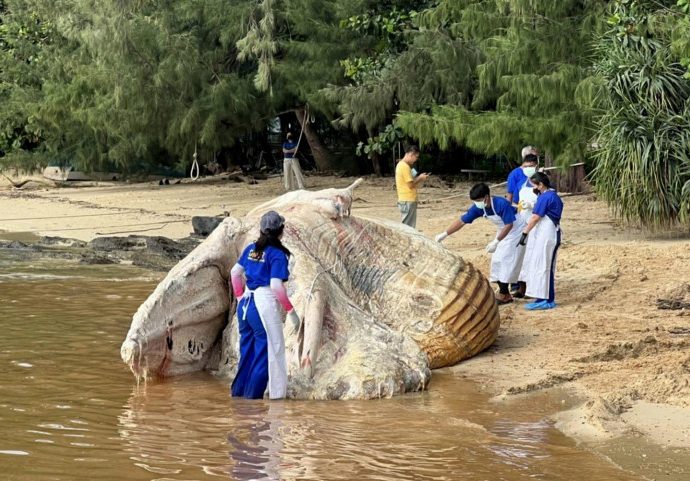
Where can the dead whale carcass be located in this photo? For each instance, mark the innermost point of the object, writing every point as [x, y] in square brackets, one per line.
[382, 304]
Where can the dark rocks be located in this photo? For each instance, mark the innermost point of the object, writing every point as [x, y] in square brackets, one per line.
[203, 226]
[157, 253]
[61, 242]
[96, 259]
[14, 245]
[132, 242]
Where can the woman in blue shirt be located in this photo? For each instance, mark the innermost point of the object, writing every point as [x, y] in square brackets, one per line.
[264, 264]
[539, 265]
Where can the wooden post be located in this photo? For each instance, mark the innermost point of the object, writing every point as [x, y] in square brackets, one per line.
[568, 179]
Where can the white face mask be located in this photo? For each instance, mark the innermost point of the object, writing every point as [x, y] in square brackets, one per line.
[480, 204]
[529, 171]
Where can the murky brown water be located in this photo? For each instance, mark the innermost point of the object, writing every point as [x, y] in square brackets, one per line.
[70, 410]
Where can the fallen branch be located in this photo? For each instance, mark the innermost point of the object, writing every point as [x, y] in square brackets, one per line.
[20, 184]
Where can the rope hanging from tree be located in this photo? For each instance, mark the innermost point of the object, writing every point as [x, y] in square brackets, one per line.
[195, 166]
[299, 139]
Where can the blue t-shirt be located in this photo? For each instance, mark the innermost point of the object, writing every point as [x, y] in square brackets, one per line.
[516, 179]
[289, 145]
[260, 268]
[550, 205]
[503, 209]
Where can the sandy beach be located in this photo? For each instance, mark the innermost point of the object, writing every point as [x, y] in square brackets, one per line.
[608, 341]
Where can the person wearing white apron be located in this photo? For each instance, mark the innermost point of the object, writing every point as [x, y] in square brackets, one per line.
[518, 176]
[506, 260]
[527, 199]
[544, 234]
[260, 312]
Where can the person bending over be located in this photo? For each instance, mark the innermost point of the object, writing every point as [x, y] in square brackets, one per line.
[506, 260]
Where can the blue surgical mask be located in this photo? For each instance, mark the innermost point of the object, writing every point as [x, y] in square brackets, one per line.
[480, 204]
[529, 171]
[414, 172]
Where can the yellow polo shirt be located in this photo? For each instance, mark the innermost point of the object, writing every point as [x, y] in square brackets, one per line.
[403, 175]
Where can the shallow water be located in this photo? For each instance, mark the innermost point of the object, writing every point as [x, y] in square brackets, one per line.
[70, 410]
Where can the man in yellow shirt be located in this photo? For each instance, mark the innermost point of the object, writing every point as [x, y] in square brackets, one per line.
[406, 182]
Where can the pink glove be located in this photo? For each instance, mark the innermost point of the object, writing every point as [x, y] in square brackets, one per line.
[237, 280]
[278, 289]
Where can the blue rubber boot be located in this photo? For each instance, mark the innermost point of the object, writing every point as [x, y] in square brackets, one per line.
[540, 306]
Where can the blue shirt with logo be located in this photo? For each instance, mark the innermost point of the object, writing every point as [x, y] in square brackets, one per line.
[550, 205]
[261, 267]
[516, 179]
[503, 209]
[289, 145]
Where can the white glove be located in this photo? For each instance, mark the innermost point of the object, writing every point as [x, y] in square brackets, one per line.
[441, 236]
[526, 205]
[294, 320]
[491, 246]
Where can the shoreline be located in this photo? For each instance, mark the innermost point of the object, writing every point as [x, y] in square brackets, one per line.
[607, 340]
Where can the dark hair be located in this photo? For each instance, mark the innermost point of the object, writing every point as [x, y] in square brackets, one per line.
[479, 191]
[271, 238]
[541, 178]
[411, 149]
[289, 135]
[531, 158]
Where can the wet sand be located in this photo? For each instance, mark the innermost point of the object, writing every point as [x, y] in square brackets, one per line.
[607, 340]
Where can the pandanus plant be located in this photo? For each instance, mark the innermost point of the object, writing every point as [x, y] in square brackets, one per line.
[643, 132]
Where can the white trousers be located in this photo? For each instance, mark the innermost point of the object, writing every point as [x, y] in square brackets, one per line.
[272, 319]
[292, 175]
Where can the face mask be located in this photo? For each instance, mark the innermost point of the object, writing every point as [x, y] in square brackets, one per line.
[529, 171]
[480, 205]
[536, 191]
[414, 172]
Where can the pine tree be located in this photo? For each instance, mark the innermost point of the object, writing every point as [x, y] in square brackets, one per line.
[24, 40]
[294, 48]
[533, 57]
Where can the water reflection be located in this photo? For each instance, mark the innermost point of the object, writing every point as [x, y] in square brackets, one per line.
[257, 457]
[177, 427]
[70, 411]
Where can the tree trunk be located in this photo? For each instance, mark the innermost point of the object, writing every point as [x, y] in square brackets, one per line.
[568, 179]
[376, 163]
[318, 150]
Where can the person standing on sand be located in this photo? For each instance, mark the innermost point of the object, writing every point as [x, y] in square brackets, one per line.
[519, 175]
[406, 183]
[539, 265]
[517, 179]
[292, 172]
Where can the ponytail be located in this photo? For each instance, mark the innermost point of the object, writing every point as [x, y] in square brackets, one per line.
[271, 238]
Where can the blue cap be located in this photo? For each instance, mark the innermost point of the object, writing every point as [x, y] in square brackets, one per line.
[271, 221]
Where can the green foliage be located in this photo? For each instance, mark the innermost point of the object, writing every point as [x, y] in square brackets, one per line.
[259, 44]
[643, 159]
[24, 40]
[681, 35]
[533, 58]
[386, 141]
[130, 84]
